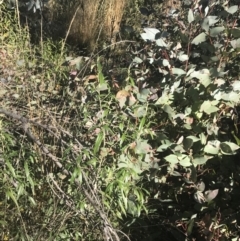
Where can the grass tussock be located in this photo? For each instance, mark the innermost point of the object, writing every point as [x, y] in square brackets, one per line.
[87, 22]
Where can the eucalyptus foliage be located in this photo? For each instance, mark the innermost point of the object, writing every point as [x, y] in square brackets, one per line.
[85, 152]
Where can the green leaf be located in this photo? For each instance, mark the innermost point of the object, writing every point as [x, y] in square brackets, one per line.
[200, 160]
[98, 142]
[205, 24]
[165, 63]
[210, 195]
[10, 167]
[212, 20]
[102, 87]
[164, 147]
[161, 43]
[199, 39]
[143, 95]
[235, 32]
[178, 71]
[183, 57]
[216, 31]
[142, 147]
[32, 201]
[208, 108]
[236, 85]
[121, 206]
[193, 138]
[190, 16]
[171, 159]
[140, 111]
[187, 143]
[132, 208]
[233, 9]
[168, 109]
[228, 148]
[190, 226]
[137, 60]
[211, 149]
[235, 43]
[185, 161]
[166, 98]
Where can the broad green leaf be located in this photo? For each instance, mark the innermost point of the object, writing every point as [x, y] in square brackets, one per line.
[143, 95]
[211, 149]
[168, 109]
[210, 195]
[216, 31]
[102, 87]
[132, 208]
[208, 108]
[225, 149]
[171, 159]
[166, 98]
[200, 186]
[162, 136]
[187, 143]
[235, 43]
[165, 63]
[161, 43]
[232, 9]
[140, 111]
[199, 39]
[212, 20]
[178, 71]
[236, 85]
[203, 75]
[232, 145]
[235, 32]
[185, 162]
[142, 147]
[183, 57]
[194, 138]
[200, 160]
[199, 197]
[228, 148]
[163, 147]
[205, 24]
[190, 16]
[137, 60]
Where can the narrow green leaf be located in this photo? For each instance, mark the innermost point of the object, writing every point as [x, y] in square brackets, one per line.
[10, 167]
[98, 142]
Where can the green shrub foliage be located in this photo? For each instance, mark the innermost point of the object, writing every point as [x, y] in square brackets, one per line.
[144, 134]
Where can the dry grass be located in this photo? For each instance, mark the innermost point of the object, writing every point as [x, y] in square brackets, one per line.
[94, 20]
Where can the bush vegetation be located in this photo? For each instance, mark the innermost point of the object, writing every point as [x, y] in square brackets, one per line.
[136, 140]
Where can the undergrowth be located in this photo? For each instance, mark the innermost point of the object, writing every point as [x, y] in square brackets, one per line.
[138, 140]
